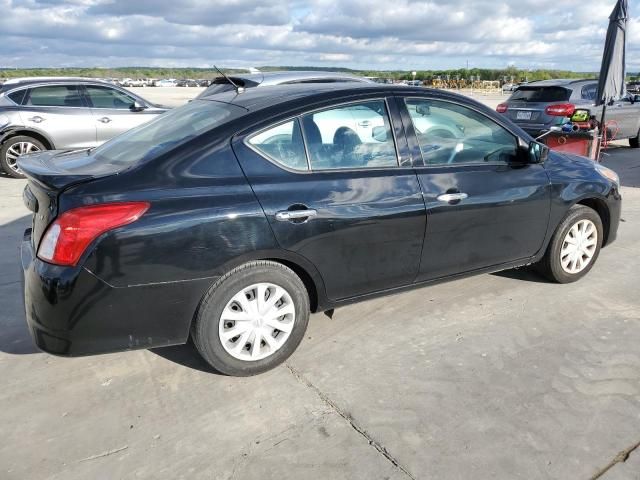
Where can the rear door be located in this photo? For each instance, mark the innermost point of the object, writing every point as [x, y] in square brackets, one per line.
[626, 115]
[113, 111]
[60, 112]
[340, 200]
[483, 208]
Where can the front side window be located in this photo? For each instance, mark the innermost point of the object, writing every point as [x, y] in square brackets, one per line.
[350, 136]
[449, 133]
[105, 97]
[283, 144]
[55, 96]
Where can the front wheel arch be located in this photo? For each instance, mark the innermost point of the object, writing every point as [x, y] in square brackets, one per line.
[601, 208]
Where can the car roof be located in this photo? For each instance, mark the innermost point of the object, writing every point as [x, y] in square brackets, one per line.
[559, 82]
[277, 78]
[254, 99]
[26, 81]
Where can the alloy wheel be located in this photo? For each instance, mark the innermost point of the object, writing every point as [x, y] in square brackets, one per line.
[17, 149]
[579, 246]
[257, 322]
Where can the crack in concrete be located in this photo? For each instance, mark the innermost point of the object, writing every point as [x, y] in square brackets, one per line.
[621, 457]
[380, 448]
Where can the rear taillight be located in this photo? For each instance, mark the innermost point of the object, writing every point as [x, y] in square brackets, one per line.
[70, 234]
[560, 110]
[502, 108]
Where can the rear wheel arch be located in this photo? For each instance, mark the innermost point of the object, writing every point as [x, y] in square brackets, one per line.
[33, 134]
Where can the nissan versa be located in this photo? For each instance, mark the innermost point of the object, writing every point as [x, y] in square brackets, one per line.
[231, 218]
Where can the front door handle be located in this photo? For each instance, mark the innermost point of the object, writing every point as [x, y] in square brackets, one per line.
[364, 123]
[288, 215]
[36, 119]
[452, 197]
[104, 119]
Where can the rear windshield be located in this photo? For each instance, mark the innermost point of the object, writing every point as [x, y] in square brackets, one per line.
[166, 132]
[541, 94]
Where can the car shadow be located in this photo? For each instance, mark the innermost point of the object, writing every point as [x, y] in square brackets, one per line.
[185, 355]
[523, 274]
[14, 334]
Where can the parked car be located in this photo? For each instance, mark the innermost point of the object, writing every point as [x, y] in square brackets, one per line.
[166, 83]
[633, 87]
[538, 106]
[269, 79]
[64, 113]
[231, 218]
[186, 83]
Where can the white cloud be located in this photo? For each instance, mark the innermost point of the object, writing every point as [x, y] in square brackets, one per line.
[402, 34]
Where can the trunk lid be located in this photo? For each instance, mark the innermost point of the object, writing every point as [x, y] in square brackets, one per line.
[49, 173]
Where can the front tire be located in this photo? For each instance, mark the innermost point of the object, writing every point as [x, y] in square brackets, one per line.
[252, 319]
[575, 246]
[13, 148]
[635, 141]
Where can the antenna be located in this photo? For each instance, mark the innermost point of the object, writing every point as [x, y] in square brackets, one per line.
[238, 88]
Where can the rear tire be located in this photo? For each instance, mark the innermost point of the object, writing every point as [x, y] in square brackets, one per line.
[635, 141]
[574, 247]
[13, 148]
[260, 300]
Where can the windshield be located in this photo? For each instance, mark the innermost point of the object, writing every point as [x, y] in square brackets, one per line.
[541, 94]
[166, 132]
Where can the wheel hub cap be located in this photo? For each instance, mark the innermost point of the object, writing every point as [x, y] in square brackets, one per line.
[579, 246]
[257, 322]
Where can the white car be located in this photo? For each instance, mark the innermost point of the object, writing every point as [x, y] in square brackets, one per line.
[171, 82]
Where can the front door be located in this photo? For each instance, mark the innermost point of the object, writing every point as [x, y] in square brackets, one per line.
[60, 112]
[113, 111]
[484, 208]
[339, 197]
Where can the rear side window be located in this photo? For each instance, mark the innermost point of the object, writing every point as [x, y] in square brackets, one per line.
[17, 97]
[541, 94]
[350, 136]
[55, 96]
[283, 144]
[105, 97]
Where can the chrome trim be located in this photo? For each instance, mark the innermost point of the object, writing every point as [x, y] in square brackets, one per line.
[287, 215]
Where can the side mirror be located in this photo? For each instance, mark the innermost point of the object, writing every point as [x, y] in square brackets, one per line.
[379, 133]
[137, 106]
[538, 153]
[423, 109]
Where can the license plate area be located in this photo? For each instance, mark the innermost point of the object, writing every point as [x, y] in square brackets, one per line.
[523, 115]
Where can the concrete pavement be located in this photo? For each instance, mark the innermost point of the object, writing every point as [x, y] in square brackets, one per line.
[498, 376]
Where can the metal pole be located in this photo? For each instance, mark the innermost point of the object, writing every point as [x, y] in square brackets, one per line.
[602, 130]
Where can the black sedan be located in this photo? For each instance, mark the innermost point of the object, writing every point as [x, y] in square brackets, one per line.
[231, 218]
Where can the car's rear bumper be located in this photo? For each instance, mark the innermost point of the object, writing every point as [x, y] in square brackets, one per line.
[70, 312]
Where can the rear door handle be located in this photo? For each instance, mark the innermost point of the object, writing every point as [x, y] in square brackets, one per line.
[364, 123]
[288, 215]
[452, 197]
[36, 119]
[104, 119]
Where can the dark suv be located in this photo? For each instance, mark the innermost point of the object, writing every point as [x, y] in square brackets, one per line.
[538, 106]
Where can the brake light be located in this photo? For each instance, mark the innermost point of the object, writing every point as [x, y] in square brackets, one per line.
[502, 108]
[69, 235]
[560, 110]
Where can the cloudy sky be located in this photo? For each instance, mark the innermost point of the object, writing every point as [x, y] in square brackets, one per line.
[377, 34]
